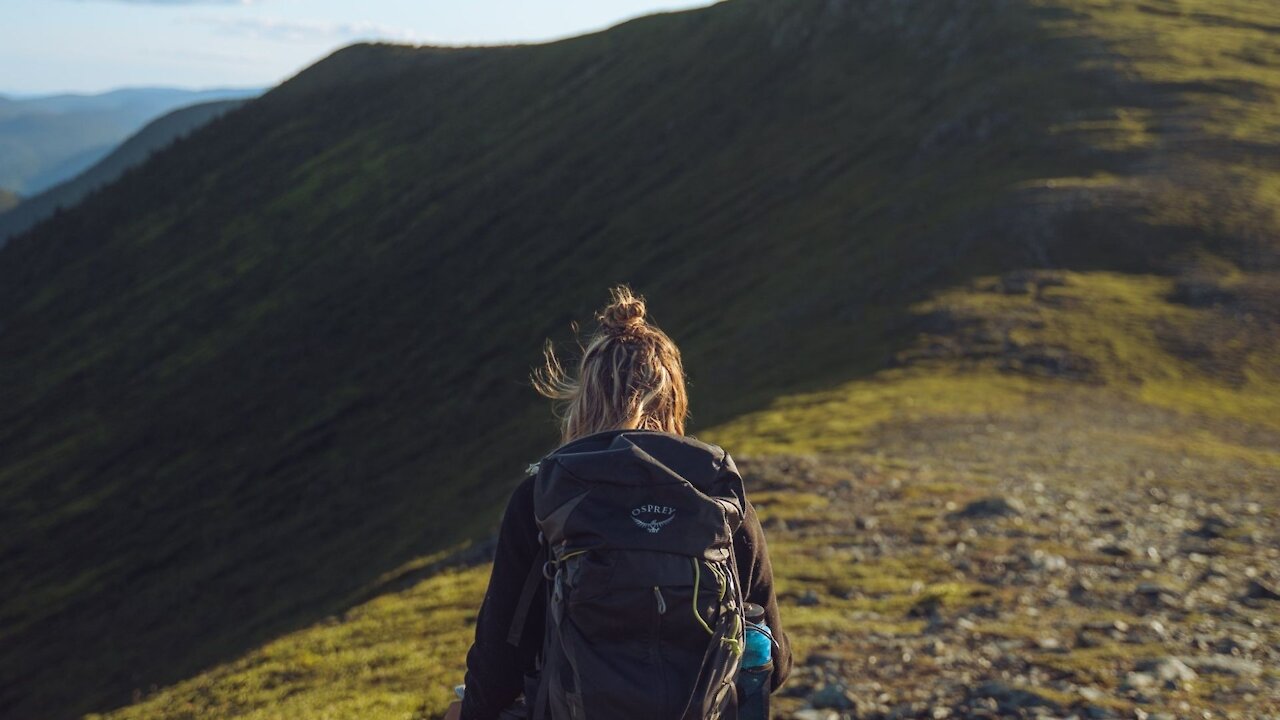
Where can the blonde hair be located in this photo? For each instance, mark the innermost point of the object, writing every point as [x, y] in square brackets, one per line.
[630, 375]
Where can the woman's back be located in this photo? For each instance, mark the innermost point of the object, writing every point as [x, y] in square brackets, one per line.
[648, 541]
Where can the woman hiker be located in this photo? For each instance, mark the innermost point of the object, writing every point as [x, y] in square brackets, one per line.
[613, 593]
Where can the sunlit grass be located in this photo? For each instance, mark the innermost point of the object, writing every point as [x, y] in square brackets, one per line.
[1112, 319]
[395, 657]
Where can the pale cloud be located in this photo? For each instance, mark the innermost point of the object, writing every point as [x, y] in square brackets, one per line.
[305, 30]
[181, 2]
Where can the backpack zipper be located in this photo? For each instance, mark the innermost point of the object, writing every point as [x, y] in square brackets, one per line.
[656, 651]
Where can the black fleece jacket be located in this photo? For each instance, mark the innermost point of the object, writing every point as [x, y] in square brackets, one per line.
[496, 670]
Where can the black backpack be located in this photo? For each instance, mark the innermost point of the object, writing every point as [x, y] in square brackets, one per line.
[644, 612]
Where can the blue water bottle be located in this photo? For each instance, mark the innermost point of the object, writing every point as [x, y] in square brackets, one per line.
[757, 667]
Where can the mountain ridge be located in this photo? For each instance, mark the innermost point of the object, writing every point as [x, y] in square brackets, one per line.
[131, 152]
[242, 382]
[46, 139]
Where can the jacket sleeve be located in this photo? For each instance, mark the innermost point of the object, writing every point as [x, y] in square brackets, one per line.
[495, 669]
[756, 572]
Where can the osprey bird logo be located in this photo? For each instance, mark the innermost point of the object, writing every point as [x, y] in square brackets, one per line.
[653, 526]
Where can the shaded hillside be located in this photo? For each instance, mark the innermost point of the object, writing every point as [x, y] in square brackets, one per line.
[8, 200]
[47, 139]
[284, 357]
[131, 152]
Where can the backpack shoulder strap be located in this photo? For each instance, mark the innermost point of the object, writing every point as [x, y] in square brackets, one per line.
[533, 580]
[532, 583]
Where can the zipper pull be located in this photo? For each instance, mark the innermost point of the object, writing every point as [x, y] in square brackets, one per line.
[662, 603]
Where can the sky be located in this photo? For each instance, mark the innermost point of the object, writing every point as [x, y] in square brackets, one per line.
[49, 46]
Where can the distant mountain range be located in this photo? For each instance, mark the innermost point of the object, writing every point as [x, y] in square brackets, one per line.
[46, 139]
[133, 151]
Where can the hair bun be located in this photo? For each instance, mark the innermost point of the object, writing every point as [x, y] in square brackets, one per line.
[625, 310]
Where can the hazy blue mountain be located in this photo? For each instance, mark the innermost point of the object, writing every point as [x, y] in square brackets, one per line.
[47, 139]
[131, 152]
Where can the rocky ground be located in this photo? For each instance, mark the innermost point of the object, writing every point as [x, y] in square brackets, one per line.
[1042, 567]
[1079, 555]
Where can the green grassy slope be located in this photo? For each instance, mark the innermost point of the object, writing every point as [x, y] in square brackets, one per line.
[282, 359]
[133, 151]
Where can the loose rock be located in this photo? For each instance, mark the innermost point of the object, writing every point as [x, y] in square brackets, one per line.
[1224, 665]
[1170, 671]
[833, 696]
[990, 507]
[1259, 590]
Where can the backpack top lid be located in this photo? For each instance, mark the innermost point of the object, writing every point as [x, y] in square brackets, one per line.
[644, 489]
[605, 452]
